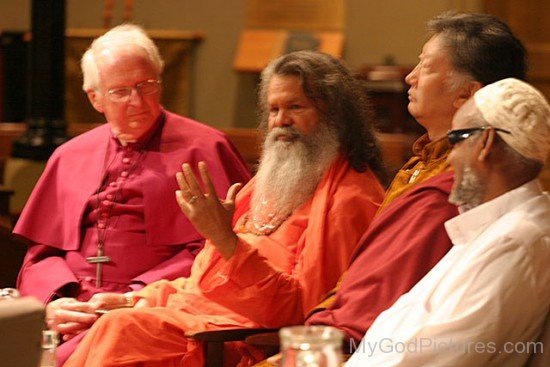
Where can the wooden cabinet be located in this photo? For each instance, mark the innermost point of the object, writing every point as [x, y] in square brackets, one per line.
[387, 90]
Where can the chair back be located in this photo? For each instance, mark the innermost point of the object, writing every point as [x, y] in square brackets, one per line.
[21, 324]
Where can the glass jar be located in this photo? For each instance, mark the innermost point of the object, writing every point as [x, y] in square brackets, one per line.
[50, 340]
[311, 346]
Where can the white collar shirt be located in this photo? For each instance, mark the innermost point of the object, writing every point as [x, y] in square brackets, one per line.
[484, 303]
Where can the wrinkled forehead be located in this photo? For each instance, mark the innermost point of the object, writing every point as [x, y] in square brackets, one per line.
[115, 52]
[436, 51]
[287, 85]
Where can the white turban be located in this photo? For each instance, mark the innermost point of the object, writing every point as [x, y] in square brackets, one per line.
[513, 105]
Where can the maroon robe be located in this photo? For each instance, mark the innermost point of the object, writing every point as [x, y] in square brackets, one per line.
[92, 181]
[402, 244]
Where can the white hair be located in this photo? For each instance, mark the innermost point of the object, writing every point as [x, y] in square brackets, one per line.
[456, 79]
[469, 192]
[122, 35]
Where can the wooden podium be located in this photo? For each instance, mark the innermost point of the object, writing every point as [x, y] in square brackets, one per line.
[257, 47]
[274, 28]
[175, 48]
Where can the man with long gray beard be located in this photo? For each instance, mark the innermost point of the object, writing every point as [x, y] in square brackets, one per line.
[269, 261]
[485, 302]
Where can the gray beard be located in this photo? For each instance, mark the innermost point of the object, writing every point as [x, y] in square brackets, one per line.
[469, 192]
[289, 171]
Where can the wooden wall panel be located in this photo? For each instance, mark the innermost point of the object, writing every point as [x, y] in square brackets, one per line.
[530, 20]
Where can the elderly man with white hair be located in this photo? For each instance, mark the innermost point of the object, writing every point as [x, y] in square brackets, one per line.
[485, 302]
[102, 217]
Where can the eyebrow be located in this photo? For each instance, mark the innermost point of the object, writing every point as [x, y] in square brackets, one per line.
[427, 55]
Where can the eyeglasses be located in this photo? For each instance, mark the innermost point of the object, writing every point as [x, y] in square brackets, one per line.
[122, 95]
[461, 134]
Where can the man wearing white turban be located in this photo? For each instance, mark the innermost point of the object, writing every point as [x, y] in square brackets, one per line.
[485, 303]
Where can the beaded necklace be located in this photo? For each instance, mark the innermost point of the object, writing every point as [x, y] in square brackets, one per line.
[262, 224]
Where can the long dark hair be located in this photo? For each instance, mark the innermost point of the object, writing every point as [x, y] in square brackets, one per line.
[341, 99]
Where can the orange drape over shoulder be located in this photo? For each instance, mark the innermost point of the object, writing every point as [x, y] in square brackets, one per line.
[429, 159]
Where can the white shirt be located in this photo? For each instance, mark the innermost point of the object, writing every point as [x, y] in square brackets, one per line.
[483, 302]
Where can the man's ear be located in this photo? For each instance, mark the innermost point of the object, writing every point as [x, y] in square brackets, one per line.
[96, 100]
[487, 142]
[466, 92]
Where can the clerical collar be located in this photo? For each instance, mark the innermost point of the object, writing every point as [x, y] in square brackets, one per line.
[145, 138]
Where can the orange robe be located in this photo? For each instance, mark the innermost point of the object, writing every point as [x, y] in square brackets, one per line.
[270, 281]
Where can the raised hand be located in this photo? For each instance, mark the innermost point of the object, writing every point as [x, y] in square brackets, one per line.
[210, 215]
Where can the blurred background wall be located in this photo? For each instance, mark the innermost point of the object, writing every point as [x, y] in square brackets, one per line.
[375, 31]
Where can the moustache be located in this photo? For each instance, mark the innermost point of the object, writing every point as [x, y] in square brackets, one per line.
[286, 134]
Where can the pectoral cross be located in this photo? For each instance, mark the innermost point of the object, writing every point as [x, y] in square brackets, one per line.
[99, 260]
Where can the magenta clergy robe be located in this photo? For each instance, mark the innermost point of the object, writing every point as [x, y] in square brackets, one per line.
[402, 244]
[94, 187]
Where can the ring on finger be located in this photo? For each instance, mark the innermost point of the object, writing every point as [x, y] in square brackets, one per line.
[193, 199]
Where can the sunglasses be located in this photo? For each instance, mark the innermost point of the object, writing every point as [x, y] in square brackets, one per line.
[455, 136]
